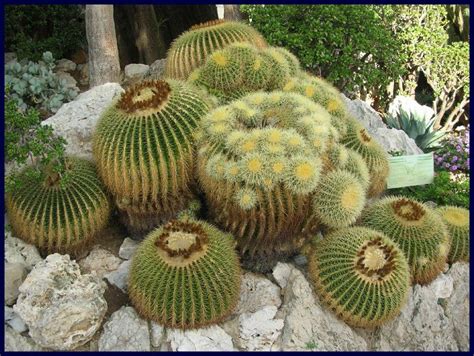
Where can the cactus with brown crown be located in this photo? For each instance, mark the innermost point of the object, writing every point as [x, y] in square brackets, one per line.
[191, 49]
[457, 221]
[186, 274]
[143, 146]
[259, 164]
[58, 214]
[361, 275]
[418, 231]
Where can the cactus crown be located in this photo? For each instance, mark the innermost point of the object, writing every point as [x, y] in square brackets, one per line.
[457, 223]
[144, 96]
[408, 210]
[181, 240]
[207, 24]
[375, 259]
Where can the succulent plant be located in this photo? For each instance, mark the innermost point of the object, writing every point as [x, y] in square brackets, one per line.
[185, 274]
[358, 139]
[242, 68]
[457, 221]
[361, 275]
[35, 85]
[190, 50]
[58, 214]
[143, 145]
[418, 231]
[259, 162]
[339, 199]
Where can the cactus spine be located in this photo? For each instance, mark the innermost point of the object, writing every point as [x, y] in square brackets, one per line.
[361, 275]
[186, 274]
[417, 230]
[143, 146]
[59, 216]
[193, 47]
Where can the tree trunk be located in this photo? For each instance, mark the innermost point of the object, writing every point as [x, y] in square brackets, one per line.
[104, 63]
[232, 13]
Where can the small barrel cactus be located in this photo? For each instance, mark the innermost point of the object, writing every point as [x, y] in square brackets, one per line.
[457, 221]
[339, 199]
[143, 146]
[418, 231]
[192, 48]
[358, 139]
[59, 213]
[361, 275]
[242, 68]
[259, 162]
[185, 274]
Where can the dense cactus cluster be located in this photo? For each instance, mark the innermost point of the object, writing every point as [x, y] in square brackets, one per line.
[260, 164]
[186, 274]
[59, 216]
[417, 229]
[457, 221]
[190, 50]
[269, 154]
[361, 275]
[143, 145]
[242, 68]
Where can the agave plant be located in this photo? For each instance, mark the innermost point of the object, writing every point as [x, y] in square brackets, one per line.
[417, 121]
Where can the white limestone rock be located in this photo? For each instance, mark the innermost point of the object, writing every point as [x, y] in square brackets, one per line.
[213, 338]
[75, 121]
[15, 274]
[260, 330]
[457, 305]
[62, 308]
[14, 320]
[306, 321]
[135, 70]
[100, 261]
[128, 248]
[18, 251]
[119, 277]
[16, 342]
[422, 324]
[257, 292]
[125, 331]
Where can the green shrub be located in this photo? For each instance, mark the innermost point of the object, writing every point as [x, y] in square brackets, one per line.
[35, 85]
[349, 45]
[33, 29]
[443, 191]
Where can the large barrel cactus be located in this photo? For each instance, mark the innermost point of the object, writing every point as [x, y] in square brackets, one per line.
[457, 221]
[59, 213]
[143, 145]
[186, 274]
[190, 50]
[361, 275]
[417, 229]
[260, 163]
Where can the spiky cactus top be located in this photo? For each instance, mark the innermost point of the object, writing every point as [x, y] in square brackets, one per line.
[59, 214]
[190, 50]
[361, 275]
[457, 221]
[417, 230]
[143, 146]
[242, 68]
[260, 161]
[186, 274]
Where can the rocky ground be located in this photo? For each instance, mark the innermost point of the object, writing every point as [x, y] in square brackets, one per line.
[56, 303]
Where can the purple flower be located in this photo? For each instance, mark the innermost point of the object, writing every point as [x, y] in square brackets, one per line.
[455, 158]
[458, 148]
[446, 165]
[454, 168]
